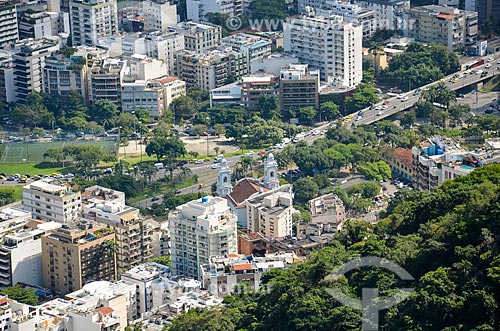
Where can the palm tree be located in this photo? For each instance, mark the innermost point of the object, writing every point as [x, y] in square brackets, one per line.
[185, 172]
[108, 248]
[375, 49]
[246, 162]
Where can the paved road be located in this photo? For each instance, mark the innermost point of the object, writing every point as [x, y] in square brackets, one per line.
[396, 105]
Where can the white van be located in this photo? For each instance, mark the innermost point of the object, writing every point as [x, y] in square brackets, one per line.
[159, 165]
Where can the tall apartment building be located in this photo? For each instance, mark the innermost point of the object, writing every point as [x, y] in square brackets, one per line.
[92, 20]
[159, 15]
[29, 61]
[253, 87]
[211, 69]
[329, 44]
[76, 254]
[200, 229]
[133, 233]
[357, 15]
[444, 25]
[162, 46]
[104, 79]
[199, 37]
[486, 9]
[270, 213]
[8, 22]
[7, 93]
[40, 23]
[299, 87]
[389, 14]
[52, 200]
[197, 10]
[21, 255]
[62, 75]
[254, 47]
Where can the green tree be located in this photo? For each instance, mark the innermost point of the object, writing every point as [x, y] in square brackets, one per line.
[109, 249]
[269, 106]
[22, 295]
[304, 190]
[105, 110]
[170, 147]
[6, 196]
[329, 110]
[306, 114]
[183, 107]
[165, 260]
[54, 153]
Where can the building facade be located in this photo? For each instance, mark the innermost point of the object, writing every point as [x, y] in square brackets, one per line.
[92, 20]
[199, 36]
[197, 10]
[162, 46]
[76, 254]
[255, 86]
[299, 87]
[8, 22]
[254, 47]
[329, 44]
[28, 63]
[201, 229]
[444, 25]
[51, 200]
[159, 15]
[211, 69]
[389, 14]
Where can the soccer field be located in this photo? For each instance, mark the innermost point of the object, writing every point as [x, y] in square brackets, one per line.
[16, 152]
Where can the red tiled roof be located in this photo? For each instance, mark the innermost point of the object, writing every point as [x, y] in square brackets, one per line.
[3, 300]
[105, 310]
[239, 267]
[168, 80]
[232, 255]
[403, 155]
[446, 16]
[244, 189]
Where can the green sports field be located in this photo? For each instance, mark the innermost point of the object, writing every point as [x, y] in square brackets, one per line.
[17, 152]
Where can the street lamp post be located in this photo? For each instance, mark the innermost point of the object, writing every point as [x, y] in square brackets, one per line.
[140, 137]
[24, 161]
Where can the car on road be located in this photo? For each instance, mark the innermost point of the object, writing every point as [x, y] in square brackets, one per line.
[249, 153]
[490, 59]
[358, 118]
[488, 66]
[156, 199]
[198, 162]
[380, 113]
[386, 102]
[403, 99]
[215, 166]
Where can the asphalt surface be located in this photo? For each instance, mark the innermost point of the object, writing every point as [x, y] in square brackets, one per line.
[396, 105]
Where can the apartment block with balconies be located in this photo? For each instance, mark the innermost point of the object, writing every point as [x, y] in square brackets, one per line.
[200, 229]
[77, 253]
[8, 24]
[443, 25]
[92, 20]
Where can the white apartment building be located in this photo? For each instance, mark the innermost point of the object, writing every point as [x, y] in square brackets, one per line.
[199, 36]
[389, 13]
[443, 25]
[12, 219]
[329, 211]
[104, 78]
[223, 273]
[28, 62]
[21, 255]
[270, 213]
[159, 15]
[273, 63]
[8, 22]
[92, 20]
[52, 200]
[211, 69]
[198, 9]
[254, 47]
[62, 75]
[229, 94]
[142, 277]
[154, 95]
[7, 93]
[355, 14]
[133, 233]
[200, 229]
[329, 44]
[162, 46]
[133, 43]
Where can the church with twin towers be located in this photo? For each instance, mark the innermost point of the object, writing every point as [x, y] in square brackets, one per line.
[261, 206]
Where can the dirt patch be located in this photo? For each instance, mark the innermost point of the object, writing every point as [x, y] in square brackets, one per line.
[199, 145]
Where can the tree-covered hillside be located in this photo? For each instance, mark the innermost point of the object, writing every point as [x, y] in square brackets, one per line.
[448, 240]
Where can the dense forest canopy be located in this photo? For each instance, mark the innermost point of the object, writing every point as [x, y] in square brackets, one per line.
[448, 240]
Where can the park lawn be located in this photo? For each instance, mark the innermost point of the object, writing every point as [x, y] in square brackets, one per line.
[164, 189]
[42, 168]
[18, 190]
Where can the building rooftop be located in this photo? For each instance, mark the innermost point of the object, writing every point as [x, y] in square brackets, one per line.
[244, 189]
[147, 271]
[10, 213]
[51, 186]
